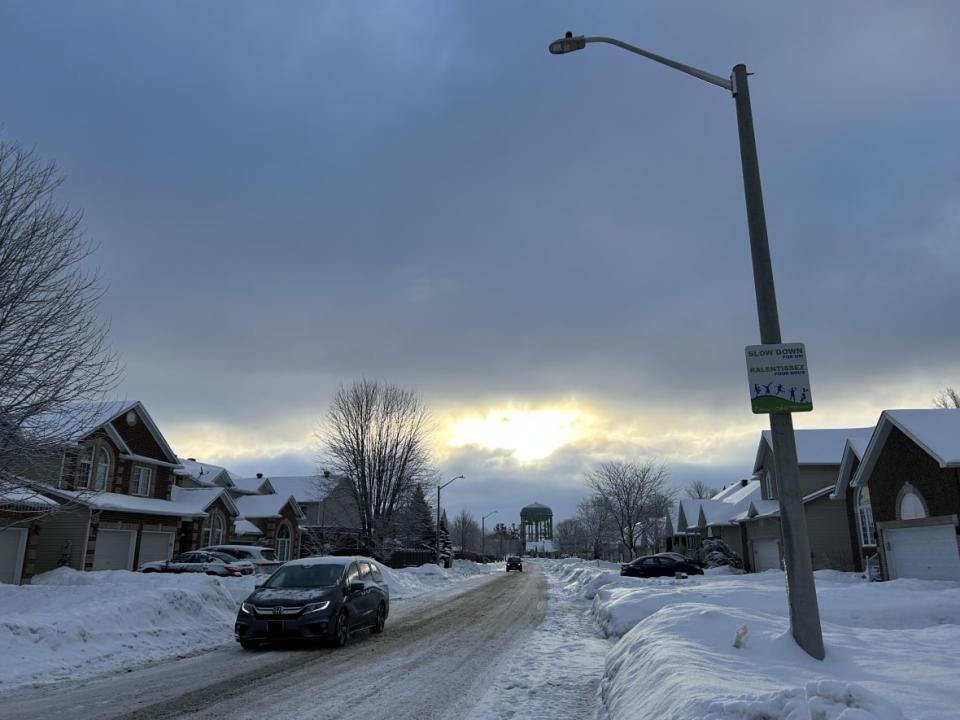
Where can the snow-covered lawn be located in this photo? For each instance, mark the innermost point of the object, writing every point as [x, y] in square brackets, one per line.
[69, 624]
[893, 648]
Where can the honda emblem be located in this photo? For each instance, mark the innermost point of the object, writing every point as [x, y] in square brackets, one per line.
[278, 610]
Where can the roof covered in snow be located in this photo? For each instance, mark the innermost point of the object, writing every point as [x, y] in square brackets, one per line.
[203, 473]
[202, 498]
[130, 503]
[935, 430]
[304, 488]
[535, 506]
[252, 485]
[815, 447]
[245, 527]
[16, 492]
[265, 506]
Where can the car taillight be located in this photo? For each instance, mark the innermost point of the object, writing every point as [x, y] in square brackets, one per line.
[233, 570]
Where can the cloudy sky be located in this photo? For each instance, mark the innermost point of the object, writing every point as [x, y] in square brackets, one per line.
[552, 250]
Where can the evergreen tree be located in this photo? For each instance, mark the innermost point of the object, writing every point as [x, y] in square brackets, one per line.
[421, 517]
[446, 547]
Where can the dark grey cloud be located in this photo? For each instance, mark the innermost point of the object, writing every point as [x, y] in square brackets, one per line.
[289, 197]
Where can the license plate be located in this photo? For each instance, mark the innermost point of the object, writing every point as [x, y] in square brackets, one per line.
[275, 627]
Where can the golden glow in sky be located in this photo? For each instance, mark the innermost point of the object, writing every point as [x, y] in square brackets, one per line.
[529, 434]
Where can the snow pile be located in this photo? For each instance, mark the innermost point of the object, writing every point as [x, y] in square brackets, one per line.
[69, 623]
[892, 648]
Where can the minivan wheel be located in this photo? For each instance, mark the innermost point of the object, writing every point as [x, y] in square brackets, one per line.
[381, 619]
[340, 630]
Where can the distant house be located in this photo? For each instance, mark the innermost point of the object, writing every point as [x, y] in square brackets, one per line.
[691, 520]
[269, 519]
[904, 494]
[819, 454]
[20, 509]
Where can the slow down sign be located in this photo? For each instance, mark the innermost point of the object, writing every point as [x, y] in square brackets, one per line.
[778, 377]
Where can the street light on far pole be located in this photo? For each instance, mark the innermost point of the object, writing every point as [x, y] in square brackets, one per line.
[483, 535]
[439, 488]
[801, 589]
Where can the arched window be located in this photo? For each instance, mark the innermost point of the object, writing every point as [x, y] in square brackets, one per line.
[218, 527]
[283, 542]
[85, 467]
[865, 518]
[911, 506]
[102, 470]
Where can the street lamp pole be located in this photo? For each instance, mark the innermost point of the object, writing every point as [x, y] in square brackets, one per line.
[439, 488]
[483, 535]
[801, 589]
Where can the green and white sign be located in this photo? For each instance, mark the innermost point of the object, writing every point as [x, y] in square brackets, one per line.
[779, 381]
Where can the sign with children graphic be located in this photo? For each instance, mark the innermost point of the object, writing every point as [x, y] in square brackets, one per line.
[778, 377]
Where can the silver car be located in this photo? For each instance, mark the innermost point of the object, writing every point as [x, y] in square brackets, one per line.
[211, 563]
[263, 558]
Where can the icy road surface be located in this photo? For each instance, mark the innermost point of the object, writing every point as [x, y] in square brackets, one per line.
[436, 659]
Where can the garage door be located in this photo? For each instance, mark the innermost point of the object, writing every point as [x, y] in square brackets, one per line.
[155, 546]
[12, 546]
[928, 553]
[766, 555]
[114, 550]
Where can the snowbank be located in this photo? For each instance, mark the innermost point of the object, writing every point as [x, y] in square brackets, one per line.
[71, 624]
[892, 648]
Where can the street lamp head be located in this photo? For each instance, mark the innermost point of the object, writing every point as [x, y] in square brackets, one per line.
[568, 43]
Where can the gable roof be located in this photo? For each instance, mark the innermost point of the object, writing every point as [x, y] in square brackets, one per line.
[203, 473]
[252, 485]
[936, 431]
[852, 455]
[265, 506]
[304, 488]
[816, 446]
[200, 499]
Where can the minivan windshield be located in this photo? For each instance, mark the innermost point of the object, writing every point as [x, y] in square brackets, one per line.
[305, 576]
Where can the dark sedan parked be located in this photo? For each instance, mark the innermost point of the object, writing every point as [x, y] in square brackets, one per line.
[659, 566]
[320, 598]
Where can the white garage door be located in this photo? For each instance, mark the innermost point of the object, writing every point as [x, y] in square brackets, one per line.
[928, 553]
[155, 546]
[766, 555]
[114, 550]
[13, 543]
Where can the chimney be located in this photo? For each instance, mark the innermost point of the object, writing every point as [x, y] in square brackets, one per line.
[259, 476]
[192, 459]
[743, 483]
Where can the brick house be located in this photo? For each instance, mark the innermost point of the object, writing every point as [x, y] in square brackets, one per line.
[905, 494]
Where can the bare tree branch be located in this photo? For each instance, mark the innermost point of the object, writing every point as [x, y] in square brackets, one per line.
[948, 398]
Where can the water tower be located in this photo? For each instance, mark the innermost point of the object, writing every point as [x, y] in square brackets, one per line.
[536, 529]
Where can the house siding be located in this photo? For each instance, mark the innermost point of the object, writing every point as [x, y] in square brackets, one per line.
[759, 529]
[139, 438]
[827, 527]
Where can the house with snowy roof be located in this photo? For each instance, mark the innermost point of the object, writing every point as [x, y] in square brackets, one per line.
[904, 494]
[819, 454]
[118, 502]
[690, 521]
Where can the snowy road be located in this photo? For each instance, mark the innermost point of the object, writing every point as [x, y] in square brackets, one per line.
[435, 658]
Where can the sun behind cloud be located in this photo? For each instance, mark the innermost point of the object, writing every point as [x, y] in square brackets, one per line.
[529, 434]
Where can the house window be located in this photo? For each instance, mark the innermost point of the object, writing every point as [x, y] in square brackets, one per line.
[85, 467]
[768, 484]
[911, 506]
[142, 479]
[865, 518]
[283, 543]
[102, 471]
[214, 529]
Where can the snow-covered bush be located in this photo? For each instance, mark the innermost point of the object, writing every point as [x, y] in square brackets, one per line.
[716, 553]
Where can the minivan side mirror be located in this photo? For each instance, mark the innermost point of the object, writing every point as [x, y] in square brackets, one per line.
[357, 587]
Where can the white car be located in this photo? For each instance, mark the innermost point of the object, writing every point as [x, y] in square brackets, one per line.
[263, 558]
[197, 561]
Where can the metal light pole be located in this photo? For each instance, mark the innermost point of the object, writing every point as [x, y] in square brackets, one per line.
[801, 589]
[483, 535]
[439, 488]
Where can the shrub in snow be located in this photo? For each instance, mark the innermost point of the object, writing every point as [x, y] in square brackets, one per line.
[718, 554]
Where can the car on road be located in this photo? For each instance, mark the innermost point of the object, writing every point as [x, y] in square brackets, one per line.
[682, 558]
[211, 563]
[514, 563]
[659, 566]
[264, 560]
[317, 598]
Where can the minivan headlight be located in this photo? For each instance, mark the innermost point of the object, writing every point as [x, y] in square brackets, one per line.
[316, 607]
[247, 608]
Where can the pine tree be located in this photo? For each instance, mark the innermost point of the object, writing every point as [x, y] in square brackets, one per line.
[421, 517]
[446, 547]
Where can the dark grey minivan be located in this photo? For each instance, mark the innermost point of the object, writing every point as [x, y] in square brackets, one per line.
[319, 598]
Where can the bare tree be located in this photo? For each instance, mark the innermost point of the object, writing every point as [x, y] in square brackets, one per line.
[465, 532]
[635, 494]
[55, 365]
[571, 538]
[699, 490]
[375, 435]
[595, 519]
[948, 398]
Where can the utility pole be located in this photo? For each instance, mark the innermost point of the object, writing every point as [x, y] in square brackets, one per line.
[801, 588]
[483, 535]
[439, 488]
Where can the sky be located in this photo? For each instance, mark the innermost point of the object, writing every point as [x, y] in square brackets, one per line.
[551, 250]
